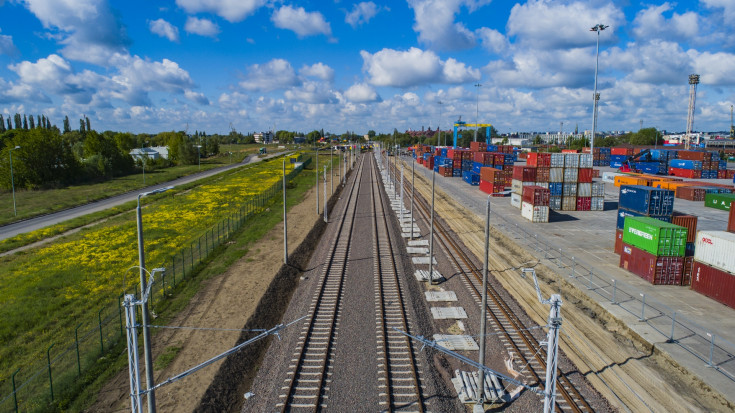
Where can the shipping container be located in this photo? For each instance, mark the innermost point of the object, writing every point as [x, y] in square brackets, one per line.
[555, 203]
[534, 213]
[714, 283]
[538, 159]
[686, 275]
[719, 201]
[492, 175]
[517, 186]
[646, 200]
[621, 180]
[585, 175]
[542, 174]
[685, 164]
[598, 189]
[569, 189]
[571, 174]
[490, 188]
[536, 195]
[584, 203]
[622, 213]
[621, 151]
[555, 188]
[694, 155]
[585, 160]
[571, 160]
[556, 160]
[516, 200]
[471, 177]
[655, 236]
[685, 173]
[690, 193]
[658, 270]
[569, 203]
[524, 173]
[584, 189]
[598, 203]
[687, 221]
[618, 241]
[717, 249]
[556, 174]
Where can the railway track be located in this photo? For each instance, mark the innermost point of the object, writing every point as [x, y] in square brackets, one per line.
[308, 385]
[513, 333]
[400, 384]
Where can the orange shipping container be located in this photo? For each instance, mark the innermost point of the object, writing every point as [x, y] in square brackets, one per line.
[631, 180]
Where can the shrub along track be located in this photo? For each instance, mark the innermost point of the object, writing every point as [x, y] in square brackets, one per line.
[631, 373]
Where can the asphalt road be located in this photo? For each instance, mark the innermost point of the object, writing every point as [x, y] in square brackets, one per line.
[43, 221]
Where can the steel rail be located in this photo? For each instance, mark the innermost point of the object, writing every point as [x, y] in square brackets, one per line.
[387, 268]
[464, 263]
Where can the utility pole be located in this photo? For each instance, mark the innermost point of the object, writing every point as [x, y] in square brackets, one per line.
[732, 128]
[693, 82]
[477, 109]
[438, 125]
[596, 96]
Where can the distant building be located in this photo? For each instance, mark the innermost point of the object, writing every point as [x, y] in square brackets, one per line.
[263, 137]
[299, 139]
[154, 152]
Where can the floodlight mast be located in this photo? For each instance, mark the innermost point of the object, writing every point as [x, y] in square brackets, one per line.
[595, 96]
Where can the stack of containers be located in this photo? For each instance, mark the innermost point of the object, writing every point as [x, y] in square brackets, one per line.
[685, 168]
[600, 157]
[642, 201]
[556, 180]
[654, 250]
[584, 182]
[492, 180]
[429, 160]
[478, 146]
[535, 203]
[619, 155]
[522, 176]
[690, 223]
[713, 273]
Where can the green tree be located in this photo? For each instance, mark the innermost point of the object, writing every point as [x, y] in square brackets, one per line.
[371, 134]
[10, 126]
[645, 136]
[25, 122]
[67, 128]
[81, 126]
[2, 124]
[32, 123]
[537, 140]
[44, 160]
[89, 128]
[40, 125]
[18, 121]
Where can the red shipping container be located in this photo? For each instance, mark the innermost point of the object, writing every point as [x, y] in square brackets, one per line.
[686, 275]
[454, 154]
[437, 151]
[522, 156]
[569, 151]
[498, 159]
[690, 193]
[621, 151]
[478, 146]
[687, 221]
[524, 173]
[420, 160]
[729, 173]
[542, 174]
[595, 173]
[721, 174]
[714, 283]
[584, 175]
[447, 172]
[731, 220]
[490, 188]
[538, 159]
[656, 270]
[694, 156]
[429, 163]
[685, 173]
[584, 203]
[536, 195]
[618, 241]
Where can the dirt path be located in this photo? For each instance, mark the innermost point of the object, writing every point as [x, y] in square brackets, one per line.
[223, 302]
[626, 369]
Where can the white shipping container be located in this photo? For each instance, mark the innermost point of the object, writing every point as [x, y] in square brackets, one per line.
[555, 203]
[569, 189]
[571, 174]
[516, 187]
[609, 177]
[557, 160]
[571, 160]
[598, 203]
[716, 249]
[543, 184]
[556, 174]
[535, 213]
[584, 189]
[585, 160]
[598, 189]
[515, 200]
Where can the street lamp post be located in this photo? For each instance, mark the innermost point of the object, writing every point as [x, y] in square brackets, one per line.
[199, 156]
[477, 108]
[144, 316]
[12, 180]
[438, 125]
[595, 97]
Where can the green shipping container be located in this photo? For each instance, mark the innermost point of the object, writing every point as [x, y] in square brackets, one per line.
[719, 201]
[655, 236]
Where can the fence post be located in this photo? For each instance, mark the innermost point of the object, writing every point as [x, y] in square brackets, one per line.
[711, 348]
[15, 394]
[50, 378]
[673, 324]
[206, 242]
[590, 280]
[191, 254]
[173, 268]
[643, 308]
[558, 262]
[200, 249]
[99, 320]
[615, 290]
[76, 340]
[574, 264]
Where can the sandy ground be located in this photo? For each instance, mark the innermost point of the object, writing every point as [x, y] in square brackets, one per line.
[628, 371]
[223, 302]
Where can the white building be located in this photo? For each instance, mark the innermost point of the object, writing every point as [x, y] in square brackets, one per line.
[263, 137]
[154, 152]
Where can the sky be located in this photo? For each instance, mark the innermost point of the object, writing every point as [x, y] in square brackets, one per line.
[258, 65]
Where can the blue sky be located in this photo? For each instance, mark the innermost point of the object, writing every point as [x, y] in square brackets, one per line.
[151, 66]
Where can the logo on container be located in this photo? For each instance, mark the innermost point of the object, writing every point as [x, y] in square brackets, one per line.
[707, 241]
[640, 233]
[627, 250]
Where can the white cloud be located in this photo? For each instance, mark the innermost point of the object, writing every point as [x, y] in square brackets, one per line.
[230, 10]
[137, 77]
[318, 70]
[6, 45]
[55, 75]
[311, 92]
[300, 21]
[714, 68]
[650, 23]
[434, 21]
[89, 30]
[164, 29]
[492, 40]
[544, 24]
[656, 62]
[196, 97]
[361, 13]
[202, 27]
[727, 6]
[414, 67]
[543, 69]
[276, 74]
[362, 93]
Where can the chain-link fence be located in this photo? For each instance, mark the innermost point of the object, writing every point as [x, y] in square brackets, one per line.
[703, 343]
[44, 386]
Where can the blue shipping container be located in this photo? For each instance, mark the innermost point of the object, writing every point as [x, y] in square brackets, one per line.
[471, 177]
[443, 151]
[492, 148]
[622, 213]
[615, 164]
[648, 167]
[722, 165]
[618, 158]
[555, 188]
[457, 173]
[646, 200]
[685, 164]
